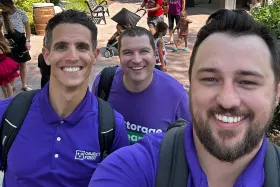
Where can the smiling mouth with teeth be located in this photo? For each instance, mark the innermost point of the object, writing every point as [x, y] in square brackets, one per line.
[229, 119]
[72, 69]
[138, 68]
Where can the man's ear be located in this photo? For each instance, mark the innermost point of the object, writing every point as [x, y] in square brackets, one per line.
[277, 94]
[96, 53]
[46, 54]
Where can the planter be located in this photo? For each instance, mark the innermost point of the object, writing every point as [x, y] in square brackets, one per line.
[42, 13]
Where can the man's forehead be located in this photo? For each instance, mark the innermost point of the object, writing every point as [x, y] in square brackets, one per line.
[229, 52]
[135, 43]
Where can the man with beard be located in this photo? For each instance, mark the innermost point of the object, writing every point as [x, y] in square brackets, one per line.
[234, 89]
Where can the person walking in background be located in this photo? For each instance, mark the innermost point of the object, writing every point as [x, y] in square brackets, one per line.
[155, 13]
[175, 7]
[17, 31]
[183, 28]
[8, 70]
[161, 61]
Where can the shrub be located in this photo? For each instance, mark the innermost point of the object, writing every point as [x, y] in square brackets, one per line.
[269, 15]
[76, 5]
[27, 6]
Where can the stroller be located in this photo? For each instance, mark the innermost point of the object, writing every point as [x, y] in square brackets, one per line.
[126, 19]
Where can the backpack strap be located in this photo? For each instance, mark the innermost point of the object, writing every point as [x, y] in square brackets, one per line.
[106, 132]
[12, 121]
[105, 83]
[173, 168]
[271, 165]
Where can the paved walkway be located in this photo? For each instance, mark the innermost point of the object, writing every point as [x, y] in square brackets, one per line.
[178, 62]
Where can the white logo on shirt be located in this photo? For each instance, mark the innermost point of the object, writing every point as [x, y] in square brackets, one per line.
[84, 155]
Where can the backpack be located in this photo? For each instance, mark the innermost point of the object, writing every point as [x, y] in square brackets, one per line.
[105, 82]
[13, 119]
[173, 168]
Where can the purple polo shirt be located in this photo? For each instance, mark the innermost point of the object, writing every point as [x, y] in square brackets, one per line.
[151, 110]
[136, 165]
[54, 151]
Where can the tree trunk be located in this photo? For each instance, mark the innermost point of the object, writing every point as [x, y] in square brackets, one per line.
[47, 1]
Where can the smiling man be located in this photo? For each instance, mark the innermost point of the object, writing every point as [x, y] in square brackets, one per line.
[59, 143]
[149, 99]
[234, 89]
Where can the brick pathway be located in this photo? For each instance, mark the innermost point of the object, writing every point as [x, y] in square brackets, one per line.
[178, 62]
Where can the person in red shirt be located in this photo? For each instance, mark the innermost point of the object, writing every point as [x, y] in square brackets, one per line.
[155, 13]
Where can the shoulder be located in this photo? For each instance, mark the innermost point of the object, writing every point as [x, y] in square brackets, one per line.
[169, 82]
[147, 147]
[130, 165]
[4, 104]
[20, 11]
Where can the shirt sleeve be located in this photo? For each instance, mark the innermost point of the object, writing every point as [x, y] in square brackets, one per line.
[121, 137]
[94, 89]
[183, 110]
[131, 166]
[24, 17]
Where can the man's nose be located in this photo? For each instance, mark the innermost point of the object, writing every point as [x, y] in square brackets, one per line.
[72, 53]
[136, 58]
[228, 96]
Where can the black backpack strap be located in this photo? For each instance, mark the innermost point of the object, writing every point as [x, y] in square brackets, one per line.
[106, 131]
[12, 121]
[105, 83]
[272, 166]
[173, 168]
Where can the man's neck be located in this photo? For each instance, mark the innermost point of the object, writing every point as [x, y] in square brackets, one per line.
[64, 101]
[134, 86]
[221, 173]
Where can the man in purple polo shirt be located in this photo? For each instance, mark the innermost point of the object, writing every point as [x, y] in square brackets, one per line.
[58, 144]
[150, 100]
[235, 87]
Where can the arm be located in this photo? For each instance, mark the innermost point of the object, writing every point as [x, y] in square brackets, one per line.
[176, 27]
[28, 34]
[131, 166]
[160, 53]
[189, 21]
[2, 38]
[183, 110]
[121, 138]
[157, 7]
[183, 4]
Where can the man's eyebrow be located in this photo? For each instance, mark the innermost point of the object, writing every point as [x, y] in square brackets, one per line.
[60, 43]
[209, 70]
[144, 48]
[250, 73]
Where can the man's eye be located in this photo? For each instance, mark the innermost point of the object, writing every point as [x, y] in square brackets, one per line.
[211, 79]
[245, 82]
[83, 47]
[61, 47]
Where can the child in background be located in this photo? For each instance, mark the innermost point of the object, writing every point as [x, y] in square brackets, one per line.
[161, 30]
[45, 69]
[8, 71]
[183, 27]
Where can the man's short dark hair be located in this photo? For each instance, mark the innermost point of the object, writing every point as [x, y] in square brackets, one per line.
[70, 17]
[136, 31]
[238, 23]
